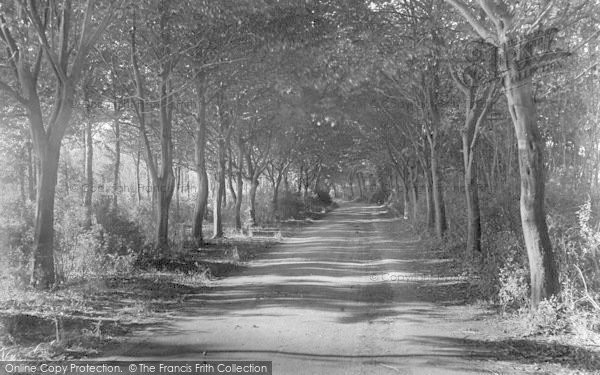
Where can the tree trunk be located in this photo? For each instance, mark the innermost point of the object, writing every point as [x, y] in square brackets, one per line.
[414, 199]
[542, 263]
[232, 192]
[87, 201]
[43, 273]
[253, 188]
[275, 199]
[240, 187]
[300, 173]
[200, 147]
[472, 196]
[360, 185]
[177, 190]
[429, 200]
[406, 200]
[164, 178]
[116, 177]
[436, 188]
[219, 192]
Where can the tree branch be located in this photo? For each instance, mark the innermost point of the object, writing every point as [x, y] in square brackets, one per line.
[479, 28]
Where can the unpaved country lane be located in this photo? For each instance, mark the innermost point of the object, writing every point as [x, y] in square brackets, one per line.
[342, 297]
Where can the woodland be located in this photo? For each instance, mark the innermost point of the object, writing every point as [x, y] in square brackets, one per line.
[137, 132]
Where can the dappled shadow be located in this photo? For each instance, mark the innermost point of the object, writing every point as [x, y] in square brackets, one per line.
[345, 264]
[349, 269]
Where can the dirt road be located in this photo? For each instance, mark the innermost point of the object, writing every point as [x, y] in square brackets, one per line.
[345, 296]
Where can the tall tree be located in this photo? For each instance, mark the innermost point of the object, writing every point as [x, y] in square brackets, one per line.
[39, 37]
[523, 35]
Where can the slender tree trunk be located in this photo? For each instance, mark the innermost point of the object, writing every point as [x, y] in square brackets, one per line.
[219, 192]
[429, 200]
[472, 198]
[360, 185]
[240, 187]
[436, 188]
[275, 199]
[406, 199]
[232, 192]
[43, 272]
[414, 202]
[252, 194]
[89, 176]
[165, 178]
[300, 174]
[200, 147]
[116, 177]
[177, 189]
[542, 263]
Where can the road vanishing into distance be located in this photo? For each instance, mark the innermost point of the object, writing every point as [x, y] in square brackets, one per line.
[352, 293]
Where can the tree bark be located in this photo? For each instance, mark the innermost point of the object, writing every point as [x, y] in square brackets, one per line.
[542, 263]
[117, 166]
[429, 200]
[177, 193]
[89, 170]
[43, 272]
[439, 211]
[200, 159]
[252, 195]
[472, 199]
[240, 186]
[165, 177]
[232, 192]
[414, 201]
[219, 191]
[406, 199]
[275, 198]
